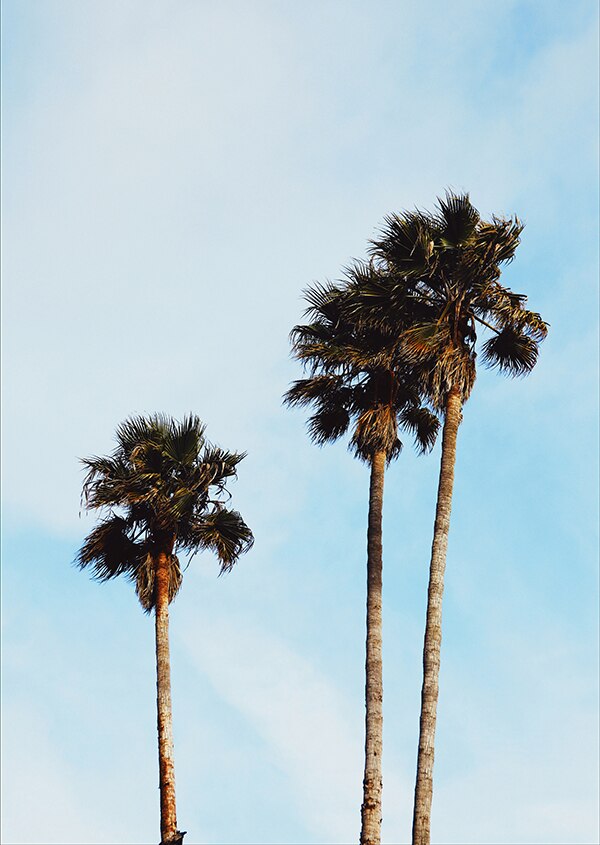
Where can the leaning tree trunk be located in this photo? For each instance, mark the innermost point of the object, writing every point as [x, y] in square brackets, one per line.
[372, 784]
[433, 627]
[166, 766]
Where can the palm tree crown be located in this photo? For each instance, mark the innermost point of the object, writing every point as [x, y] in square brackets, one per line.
[164, 486]
[358, 378]
[446, 267]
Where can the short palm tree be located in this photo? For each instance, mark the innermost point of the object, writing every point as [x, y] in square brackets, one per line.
[357, 383]
[162, 491]
[446, 267]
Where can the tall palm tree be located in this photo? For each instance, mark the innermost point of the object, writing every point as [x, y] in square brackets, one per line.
[358, 382]
[447, 266]
[161, 491]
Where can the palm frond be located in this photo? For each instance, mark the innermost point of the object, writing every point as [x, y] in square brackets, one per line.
[324, 300]
[112, 469]
[185, 439]
[406, 242]
[219, 464]
[328, 424]
[458, 219]
[422, 424]
[327, 388]
[507, 309]
[511, 351]
[502, 237]
[109, 551]
[139, 429]
[224, 532]
[425, 340]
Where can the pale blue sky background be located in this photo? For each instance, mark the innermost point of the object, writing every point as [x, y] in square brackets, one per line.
[174, 174]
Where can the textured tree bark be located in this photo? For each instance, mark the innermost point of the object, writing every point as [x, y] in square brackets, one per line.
[372, 784]
[421, 833]
[166, 765]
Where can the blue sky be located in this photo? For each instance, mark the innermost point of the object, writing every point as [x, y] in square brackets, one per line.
[174, 174]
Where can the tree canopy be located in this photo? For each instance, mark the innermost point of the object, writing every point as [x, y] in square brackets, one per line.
[164, 486]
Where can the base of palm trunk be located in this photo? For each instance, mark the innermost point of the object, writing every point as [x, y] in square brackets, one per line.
[177, 839]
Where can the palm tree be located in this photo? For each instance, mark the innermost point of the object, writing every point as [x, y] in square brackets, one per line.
[447, 266]
[161, 491]
[357, 382]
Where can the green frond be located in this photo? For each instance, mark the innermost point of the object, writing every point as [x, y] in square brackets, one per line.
[109, 551]
[219, 465]
[224, 532]
[138, 429]
[511, 352]
[458, 220]
[324, 301]
[113, 470]
[510, 314]
[328, 388]
[183, 502]
[422, 424]
[425, 340]
[184, 440]
[406, 243]
[315, 333]
[328, 424]
[502, 236]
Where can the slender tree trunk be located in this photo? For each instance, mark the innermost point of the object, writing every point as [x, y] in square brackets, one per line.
[166, 767]
[433, 627]
[372, 784]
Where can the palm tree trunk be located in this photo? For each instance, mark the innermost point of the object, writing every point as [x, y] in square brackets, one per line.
[372, 784]
[433, 627]
[166, 766]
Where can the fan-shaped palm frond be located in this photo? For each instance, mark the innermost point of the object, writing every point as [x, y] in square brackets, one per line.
[224, 532]
[406, 242]
[511, 351]
[109, 550]
[184, 440]
[328, 424]
[423, 424]
[330, 388]
[457, 220]
[323, 300]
